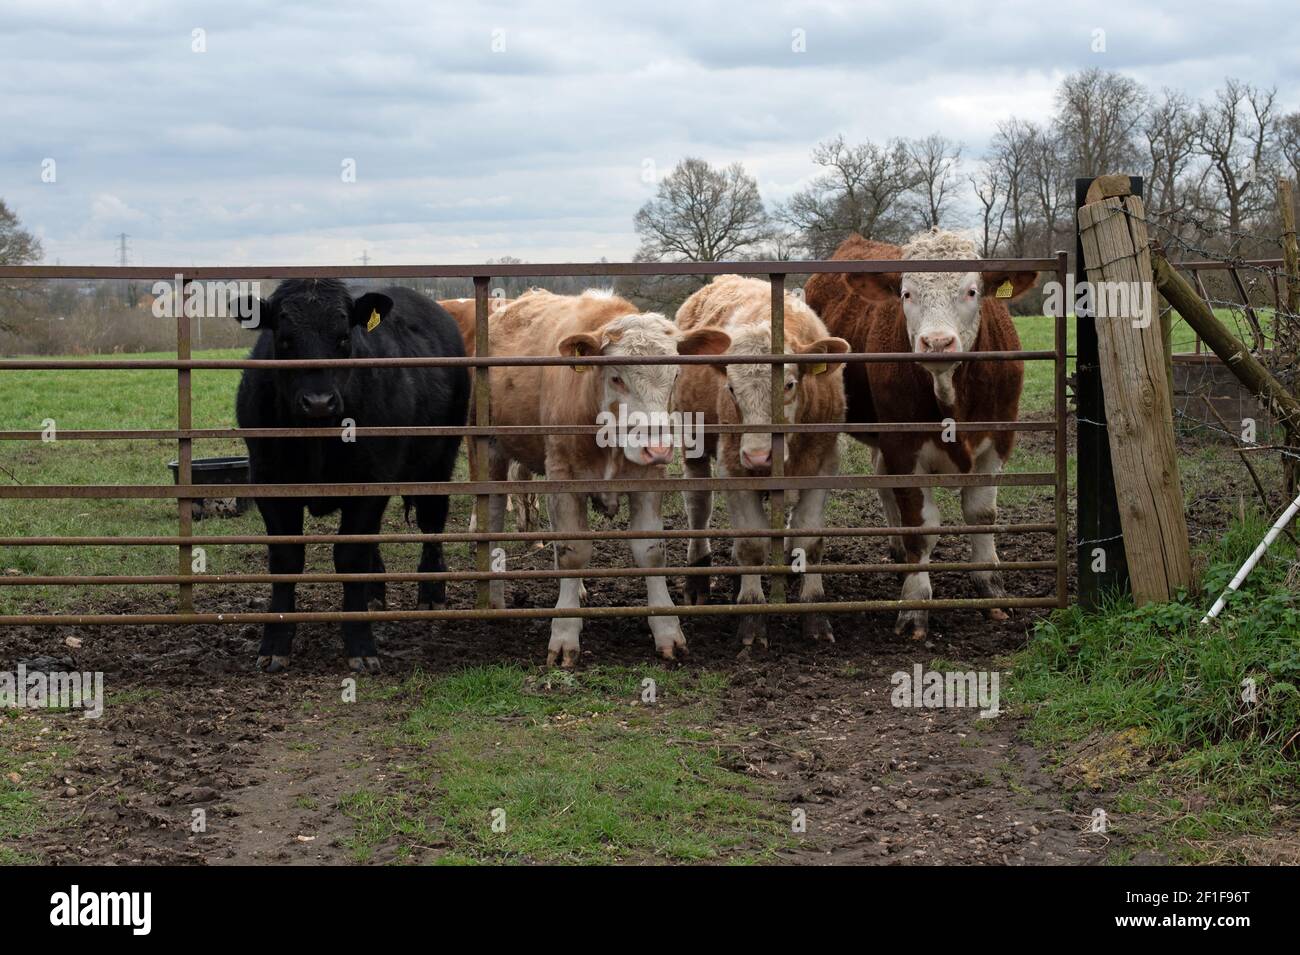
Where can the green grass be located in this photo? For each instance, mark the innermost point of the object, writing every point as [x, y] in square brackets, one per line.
[573, 767]
[26, 760]
[1164, 695]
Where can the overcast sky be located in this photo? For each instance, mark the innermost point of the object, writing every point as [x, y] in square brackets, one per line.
[487, 129]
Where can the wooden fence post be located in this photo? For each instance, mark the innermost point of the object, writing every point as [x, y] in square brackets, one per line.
[1139, 405]
[1285, 330]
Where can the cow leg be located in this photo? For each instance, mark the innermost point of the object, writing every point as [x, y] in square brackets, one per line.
[746, 511]
[917, 508]
[377, 591]
[568, 513]
[699, 511]
[361, 515]
[644, 514]
[281, 516]
[890, 507]
[810, 511]
[498, 469]
[979, 505]
[431, 516]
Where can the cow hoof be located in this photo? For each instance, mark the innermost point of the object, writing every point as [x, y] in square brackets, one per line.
[568, 658]
[674, 650]
[912, 630]
[697, 591]
[753, 627]
[364, 664]
[273, 664]
[817, 627]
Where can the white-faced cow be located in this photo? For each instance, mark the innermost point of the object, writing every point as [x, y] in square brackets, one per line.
[315, 319]
[733, 393]
[932, 312]
[594, 323]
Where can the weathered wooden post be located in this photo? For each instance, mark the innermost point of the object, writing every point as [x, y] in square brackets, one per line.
[1285, 326]
[1135, 387]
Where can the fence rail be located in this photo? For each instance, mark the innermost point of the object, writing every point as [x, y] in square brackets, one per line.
[184, 491]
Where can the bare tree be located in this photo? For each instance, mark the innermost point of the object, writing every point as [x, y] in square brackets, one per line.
[1236, 134]
[989, 190]
[1170, 134]
[1289, 142]
[701, 213]
[17, 247]
[860, 191]
[937, 161]
[1098, 115]
[1011, 152]
[1052, 185]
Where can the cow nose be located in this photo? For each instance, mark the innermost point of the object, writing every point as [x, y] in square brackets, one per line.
[657, 454]
[756, 459]
[318, 406]
[939, 343]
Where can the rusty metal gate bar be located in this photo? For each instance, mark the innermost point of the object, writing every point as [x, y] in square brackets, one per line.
[776, 484]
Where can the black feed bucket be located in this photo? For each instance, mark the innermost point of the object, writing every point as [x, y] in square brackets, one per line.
[216, 471]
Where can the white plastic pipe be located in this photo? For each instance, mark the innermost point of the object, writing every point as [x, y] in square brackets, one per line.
[1251, 561]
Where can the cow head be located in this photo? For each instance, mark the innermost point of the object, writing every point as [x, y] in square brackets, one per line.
[943, 309]
[749, 387]
[641, 389]
[309, 319]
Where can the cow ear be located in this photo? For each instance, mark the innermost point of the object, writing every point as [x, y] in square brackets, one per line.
[370, 309]
[579, 345]
[704, 341]
[823, 346]
[876, 285]
[253, 312]
[1008, 285]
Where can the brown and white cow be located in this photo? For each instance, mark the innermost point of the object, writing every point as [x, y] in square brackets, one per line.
[929, 312]
[523, 506]
[594, 323]
[742, 393]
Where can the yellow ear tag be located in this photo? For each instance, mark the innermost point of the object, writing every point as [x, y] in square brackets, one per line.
[1005, 290]
[581, 368]
[374, 320]
[817, 369]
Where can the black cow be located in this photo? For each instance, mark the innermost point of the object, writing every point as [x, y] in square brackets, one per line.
[320, 319]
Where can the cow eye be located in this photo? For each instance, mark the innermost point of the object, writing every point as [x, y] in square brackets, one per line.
[789, 385]
[616, 381]
[970, 293]
[907, 296]
[344, 342]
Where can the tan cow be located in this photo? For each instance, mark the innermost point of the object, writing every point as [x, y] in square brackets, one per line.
[594, 323]
[734, 393]
[525, 507]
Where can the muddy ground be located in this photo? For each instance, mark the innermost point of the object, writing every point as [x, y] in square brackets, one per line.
[878, 784]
